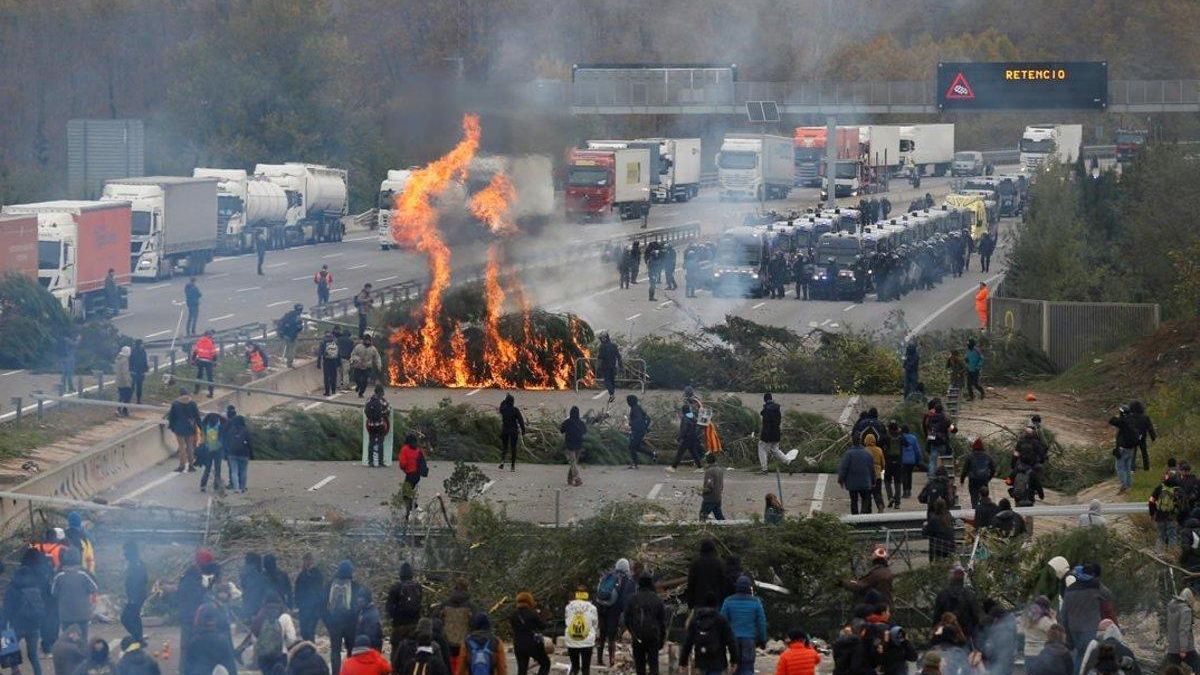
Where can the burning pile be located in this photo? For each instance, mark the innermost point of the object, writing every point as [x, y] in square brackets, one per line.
[527, 350]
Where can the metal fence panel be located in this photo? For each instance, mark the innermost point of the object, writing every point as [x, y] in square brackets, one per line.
[1014, 316]
[1077, 330]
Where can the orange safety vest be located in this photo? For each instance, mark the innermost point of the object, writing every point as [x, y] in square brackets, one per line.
[52, 550]
[205, 349]
[256, 362]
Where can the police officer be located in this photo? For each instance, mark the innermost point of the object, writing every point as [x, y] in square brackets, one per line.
[885, 207]
[777, 274]
[623, 266]
[831, 275]
[691, 270]
[635, 261]
[668, 265]
[800, 275]
[653, 266]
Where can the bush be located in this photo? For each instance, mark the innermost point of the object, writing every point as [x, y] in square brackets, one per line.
[31, 321]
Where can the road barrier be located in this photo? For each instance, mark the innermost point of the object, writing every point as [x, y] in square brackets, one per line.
[1069, 332]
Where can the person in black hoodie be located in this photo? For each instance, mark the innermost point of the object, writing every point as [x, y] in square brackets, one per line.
[309, 597]
[960, 601]
[426, 661]
[646, 619]
[254, 585]
[770, 435]
[25, 601]
[527, 629]
[639, 425]
[512, 424]
[137, 589]
[343, 595]
[192, 592]
[135, 660]
[898, 652]
[209, 645]
[706, 574]
[138, 367]
[573, 430]
[369, 623]
[404, 604]
[689, 434]
[1141, 424]
[303, 659]
[1126, 441]
[985, 510]
[277, 579]
[709, 635]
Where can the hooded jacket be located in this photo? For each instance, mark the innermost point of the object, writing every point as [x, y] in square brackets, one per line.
[366, 661]
[1084, 604]
[303, 659]
[588, 610]
[856, 471]
[708, 621]
[772, 419]
[511, 419]
[1179, 623]
[67, 654]
[745, 614]
[573, 430]
[365, 356]
[1092, 518]
[705, 575]
[121, 369]
[72, 590]
[798, 659]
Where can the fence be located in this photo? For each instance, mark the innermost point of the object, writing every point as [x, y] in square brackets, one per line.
[1068, 332]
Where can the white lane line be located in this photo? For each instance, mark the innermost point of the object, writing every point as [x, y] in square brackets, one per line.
[156, 287]
[274, 265]
[826, 322]
[357, 267]
[394, 276]
[217, 276]
[844, 418]
[833, 325]
[849, 307]
[942, 310]
[281, 302]
[248, 288]
[599, 394]
[759, 305]
[338, 290]
[122, 317]
[332, 255]
[298, 278]
[474, 391]
[150, 486]
[312, 405]
[360, 239]
[221, 318]
[664, 304]
[653, 494]
[11, 372]
[154, 335]
[818, 494]
[321, 483]
[631, 318]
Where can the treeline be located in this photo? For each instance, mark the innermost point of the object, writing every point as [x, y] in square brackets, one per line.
[370, 84]
[1113, 237]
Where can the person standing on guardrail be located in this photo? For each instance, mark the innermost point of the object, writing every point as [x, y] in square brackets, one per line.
[191, 298]
[124, 379]
[365, 363]
[324, 281]
[289, 327]
[610, 361]
[204, 356]
[182, 419]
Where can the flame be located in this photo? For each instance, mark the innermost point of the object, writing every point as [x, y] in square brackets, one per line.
[493, 203]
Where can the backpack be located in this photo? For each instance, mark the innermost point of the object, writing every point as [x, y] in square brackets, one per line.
[480, 650]
[607, 590]
[642, 626]
[341, 597]
[10, 649]
[377, 414]
[270, 639]
[981, 469]
[32, 607]
[1168, 500]
[708, 640]
[409, 601]
[1020, 489]
[456, 623]
[212, 438]
[331, 350]
[578, 628]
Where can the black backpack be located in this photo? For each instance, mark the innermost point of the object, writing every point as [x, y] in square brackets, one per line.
[642, 625]
[709, 642]
[32, 607]
[981, 468]
[408, 600]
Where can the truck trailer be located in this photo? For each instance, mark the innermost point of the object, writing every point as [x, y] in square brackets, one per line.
[1058, 143]
[679, 167]
[248, 206]
[757, 166]
[19, 245]
[77, 243]
[320, 192]
[174, 223]
[602, 181]
[927, 148]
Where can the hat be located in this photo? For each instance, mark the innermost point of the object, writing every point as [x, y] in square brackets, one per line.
[230, 411]
[932, 660]
[125, 351]
[345, 569]
[74, 520]
[1060, 566]
[481, 622]
[977, 444]
[880, 552]
[743, 584]
[203, 557]
[525, 599]
[622, 566]
[406, 571]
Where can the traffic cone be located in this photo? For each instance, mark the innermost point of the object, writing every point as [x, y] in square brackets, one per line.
[1030, 397]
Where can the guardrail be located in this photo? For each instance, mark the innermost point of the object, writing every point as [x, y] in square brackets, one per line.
[392, 293]
[633, 372]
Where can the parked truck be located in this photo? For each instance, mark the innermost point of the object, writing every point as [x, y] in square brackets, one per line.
[174, 223]
[601, 181]
[19, 245]
[247, 206]
[758, 166]
[321, 193]
[927, 148]
[1129, 143]
[1059, 143]
[77, 243]
[679, 169]
[811, 151]
[880, 148]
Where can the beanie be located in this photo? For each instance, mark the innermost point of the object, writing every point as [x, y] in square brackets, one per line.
[481, 622]
[743, 584]
[345, 569]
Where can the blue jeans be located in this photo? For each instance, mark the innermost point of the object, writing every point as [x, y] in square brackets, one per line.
[1125, 467]
[746, 655]
[237, 472]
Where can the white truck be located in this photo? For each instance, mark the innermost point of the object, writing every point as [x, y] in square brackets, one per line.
[322, 194]
[1060, 143]
[248, 205]
[174, 223]
[881, 147]
[927, 148]
[679, 160]
[758, 166]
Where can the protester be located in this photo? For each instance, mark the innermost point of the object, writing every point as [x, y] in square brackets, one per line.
[455, 615]
[191, 297]
[73, 589]
[328, 361]
[878, 461]
[1144, 428]
[689, 434]
[137, 590]
[1165, 508]
[527, 629]
[323, 280]
[612, 595]
[182, 419]
[378, 415]
[427, 662]
[979, 468]
[646, 619]
[139, 365]
[25, 603]
[639, 426]
[746, 618]
[239, 447]
[910, 458]
[341, 613]
[581, 628]
[770, 435]
[124, 379]
[68, 652]
[912, 368]
[985, 510]
[346, 347]
[573, 430]
[273, 630]
[414, 467]
[209, 645]
[310, 596]
[712, 489]
[1126, 440]
[1181, 640]
[878, 579]
[192, 591]
[974, 361]
[1054, 658]
[610, 362]
[773, 512]
[1085, 603]
[939, 530]
[289, 327]
[800, 657]
[404, 604]
[1108, 653]
[482, 652]
[512, 423]
[303, 659]
[706, 573]
[369, 623]
[957, 599]
[1093, 518]
[708, 635]
[365, 660]
[97, 663]
[211, 452]
[363, 304]
[135, 660]
[856, 474]
[893, 464]
[365, 363]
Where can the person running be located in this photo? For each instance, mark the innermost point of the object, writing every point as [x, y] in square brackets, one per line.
[191, 298]
[689, 434]
[378, 414]
[610, 362]
[204, 355]
[582, 625]
[512, 424]
[573, 430]
[746, 618]
[323, 280]
[182, 419]
[771, 434]
[639, 426]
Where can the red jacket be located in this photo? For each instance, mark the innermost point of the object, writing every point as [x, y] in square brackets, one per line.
[410, 459]
[798, 659]
[367, 662]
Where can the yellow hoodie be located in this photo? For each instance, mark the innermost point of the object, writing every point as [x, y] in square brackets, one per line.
[876, 454]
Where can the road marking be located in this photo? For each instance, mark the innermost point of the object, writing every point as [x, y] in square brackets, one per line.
[759, 305]
[338, 290]
[217, 276]
[826, 322]
[818, 494]
[321, 483]
[122, 317]
[844, 418]
[273, 265]
[664, 304]
[360, 239]
[298, 278]
[833, 325]
[11, 372]
[150, 486]
[221, 318]
[249, 288]
[156, 286]
[281, 302]
[161, 332]
[849, 307]
[357, 267]
[332, 255]
[474, 391]
[941, 310]
[598, 395]
[653, 494]
[394, 276]
[631, 318]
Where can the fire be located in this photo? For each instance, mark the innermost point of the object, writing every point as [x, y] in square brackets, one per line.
[511, 353]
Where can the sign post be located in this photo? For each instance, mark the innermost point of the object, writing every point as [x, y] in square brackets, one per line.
[1023, 85]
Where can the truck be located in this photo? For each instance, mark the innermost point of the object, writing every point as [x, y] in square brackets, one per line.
[321, 193]
[758, 166]
[77, 243]
[247, 206]
[1061, 143]
[880, 148]
[927, 148]
[679, 168]
[602, 181]
[19, 245]
[1129, 143]
[174, 223]
[811, 151]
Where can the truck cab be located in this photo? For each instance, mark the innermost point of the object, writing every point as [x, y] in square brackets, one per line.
[756, 166]
[390, 188]
[1129, 143]
[57, 247]
[147, 203]
[600, 181]
[968, 163]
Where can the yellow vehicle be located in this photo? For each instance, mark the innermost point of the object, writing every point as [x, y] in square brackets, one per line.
[975, 205]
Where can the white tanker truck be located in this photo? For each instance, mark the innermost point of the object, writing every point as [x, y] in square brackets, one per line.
[319, 192]
[248, 205]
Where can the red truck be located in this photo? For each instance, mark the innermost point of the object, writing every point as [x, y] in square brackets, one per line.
[811, 151]
[602, 181]
[18, 245]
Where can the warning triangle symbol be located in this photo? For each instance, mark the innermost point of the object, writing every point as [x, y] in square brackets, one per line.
[960, 89]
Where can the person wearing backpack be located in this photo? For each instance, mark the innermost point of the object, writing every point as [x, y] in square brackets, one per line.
[639, 426]
[328, 360]
[25, 603]
[273, 631]
[379, 422]
[482, 653]
[979, 468]
[427, 662]
[746, 617]
[455, 615]
[1181, 640]
[238, 447]
[1164, 509]
[404, 604]
[582, 625]
[73, 589]
[612, 594]
[310, 596]
[711, 639]
[211, 451]
[527, 631]
[646, 620]
[341, 612]
[303, 659]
